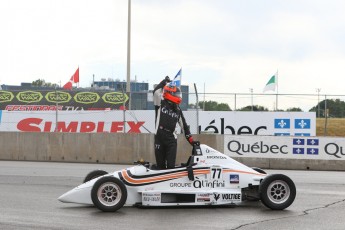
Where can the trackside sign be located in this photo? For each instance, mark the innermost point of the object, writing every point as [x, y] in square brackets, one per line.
[285, 147]
[255, 123]
[76, 122]
[142, 121]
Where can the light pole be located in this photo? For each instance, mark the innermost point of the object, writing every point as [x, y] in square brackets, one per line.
[251, 92]
[56, 109]
[128, 86]
[318, 101]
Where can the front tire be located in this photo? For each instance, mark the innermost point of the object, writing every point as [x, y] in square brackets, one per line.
[277, 191]
[94, 174]
[109, 194]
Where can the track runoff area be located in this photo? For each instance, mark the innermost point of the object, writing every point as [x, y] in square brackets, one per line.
[29, 192]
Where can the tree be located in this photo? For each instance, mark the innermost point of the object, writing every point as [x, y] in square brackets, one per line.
[223, 107]
[294, 109]
[39, 82]
[214, 106]
[255, 108]
[43, 83]
[335, 108]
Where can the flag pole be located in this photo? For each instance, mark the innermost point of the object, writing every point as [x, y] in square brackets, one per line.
[277, 91]
[78, 78]
[128, 85]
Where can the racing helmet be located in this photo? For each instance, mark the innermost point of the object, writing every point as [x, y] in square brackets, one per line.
[172, 93]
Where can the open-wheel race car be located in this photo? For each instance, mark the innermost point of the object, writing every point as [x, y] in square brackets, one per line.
[208, 178]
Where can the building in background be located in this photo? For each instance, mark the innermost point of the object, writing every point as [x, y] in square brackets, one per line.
[25, 86]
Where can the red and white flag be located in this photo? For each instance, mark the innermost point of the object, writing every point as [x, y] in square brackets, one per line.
[74, 79]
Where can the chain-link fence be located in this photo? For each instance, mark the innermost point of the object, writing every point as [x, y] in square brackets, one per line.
[94, 107]
[273, 102]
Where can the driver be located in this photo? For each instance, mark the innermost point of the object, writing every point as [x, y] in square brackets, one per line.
[169, 114]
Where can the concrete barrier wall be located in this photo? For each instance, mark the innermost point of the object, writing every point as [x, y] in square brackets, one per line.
[119, 148]
[114, 148]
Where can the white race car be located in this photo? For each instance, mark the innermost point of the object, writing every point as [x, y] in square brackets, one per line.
[208, 178]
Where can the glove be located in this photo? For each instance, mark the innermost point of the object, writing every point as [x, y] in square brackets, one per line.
[167, 79]
[190, 140]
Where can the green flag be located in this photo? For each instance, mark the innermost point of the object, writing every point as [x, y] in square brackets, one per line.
[272, 83]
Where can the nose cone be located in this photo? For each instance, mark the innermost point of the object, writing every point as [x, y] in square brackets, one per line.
[67, 197]
[77, 195]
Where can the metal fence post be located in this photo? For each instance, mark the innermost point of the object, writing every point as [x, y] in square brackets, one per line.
[56, 109]
[326, 116]
[197, 109]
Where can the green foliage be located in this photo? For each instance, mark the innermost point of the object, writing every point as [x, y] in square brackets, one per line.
[43, 83]
[255, 108]
[335, 108]
[294, 109]
[214, 106]
[223, 107]
[39, 82]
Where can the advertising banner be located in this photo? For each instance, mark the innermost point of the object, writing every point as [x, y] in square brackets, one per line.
[61, 100]
[114, 121]
[142, 121]
[317, 148]
[254, 123]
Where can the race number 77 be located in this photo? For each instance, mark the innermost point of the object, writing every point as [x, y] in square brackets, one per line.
[215, 173]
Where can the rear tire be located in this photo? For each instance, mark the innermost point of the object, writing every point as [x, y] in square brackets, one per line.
[277, 191]
[94, 174]
[109, 194]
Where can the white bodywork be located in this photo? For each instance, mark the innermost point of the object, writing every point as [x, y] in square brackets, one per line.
[218, 180]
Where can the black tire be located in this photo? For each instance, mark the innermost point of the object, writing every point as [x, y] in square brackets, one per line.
[259, 170]
[109, 194]
[277, 191]
[252, 199]
[94, 174]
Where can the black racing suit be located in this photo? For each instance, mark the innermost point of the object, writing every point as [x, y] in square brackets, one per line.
[169, 114]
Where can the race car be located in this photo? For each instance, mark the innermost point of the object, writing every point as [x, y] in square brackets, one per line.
[208, 178]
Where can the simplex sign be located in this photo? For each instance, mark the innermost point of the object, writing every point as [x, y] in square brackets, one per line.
[316, 148]
[74, 122]
[142, 121]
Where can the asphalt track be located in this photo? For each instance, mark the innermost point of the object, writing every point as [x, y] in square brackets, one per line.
[29, 192]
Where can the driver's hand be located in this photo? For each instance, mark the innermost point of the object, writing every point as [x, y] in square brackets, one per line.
[167, 79]
[190, 140]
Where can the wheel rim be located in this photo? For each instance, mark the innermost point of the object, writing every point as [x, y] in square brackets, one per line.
[278, 191]
[109, 194]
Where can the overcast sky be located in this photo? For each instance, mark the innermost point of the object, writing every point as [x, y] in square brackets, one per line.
[230, 46]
